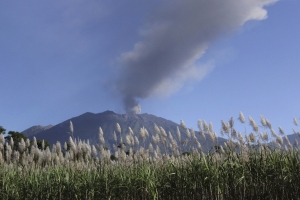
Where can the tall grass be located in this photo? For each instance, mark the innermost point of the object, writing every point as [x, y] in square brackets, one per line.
[258, 165]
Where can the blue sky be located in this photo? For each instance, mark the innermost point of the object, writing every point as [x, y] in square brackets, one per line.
[184, 60]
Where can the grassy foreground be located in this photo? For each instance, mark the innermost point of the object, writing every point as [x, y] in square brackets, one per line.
[248, 166]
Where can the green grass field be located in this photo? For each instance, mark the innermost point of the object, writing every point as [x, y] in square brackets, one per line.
[258, 165]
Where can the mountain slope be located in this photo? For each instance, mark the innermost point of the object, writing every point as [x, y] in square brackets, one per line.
[86, 127]
[35, 130]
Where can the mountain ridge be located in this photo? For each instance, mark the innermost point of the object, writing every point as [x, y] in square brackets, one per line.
[86, 127]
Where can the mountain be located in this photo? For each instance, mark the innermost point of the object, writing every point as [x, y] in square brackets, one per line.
[35, 130]
[86, 127]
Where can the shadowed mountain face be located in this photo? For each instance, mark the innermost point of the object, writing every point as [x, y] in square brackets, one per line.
[35, 130]
[86, 127]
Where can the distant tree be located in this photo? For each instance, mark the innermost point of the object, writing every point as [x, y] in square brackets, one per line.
[16, 136]
[41, 145]
[113, 157]
[2, 130]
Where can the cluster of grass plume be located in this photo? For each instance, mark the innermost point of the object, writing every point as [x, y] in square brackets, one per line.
[259, 165]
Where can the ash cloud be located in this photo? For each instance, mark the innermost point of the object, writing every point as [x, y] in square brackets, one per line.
[175, 37]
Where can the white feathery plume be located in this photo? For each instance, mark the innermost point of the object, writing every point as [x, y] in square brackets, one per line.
[269, 125]
[205, 126]
[253, 124]
[11, 142]
[212, 136]
[264, 136]
[252, 137]
[162, 131]
[53, 149]
[279, 140]
[200, 125]
[1, 158]
[233, 133]
[128, 141]
[118, 128]
[286, 139]
[94, 150]
[142, 133]
[263, 121]
[71, 129]
[2, 140]
[21, 145]
[225, 126]
[130, 131]
[27, 143]
[241, 117]
[188, 133]
[281, 131]
[156, 128]
[178, 133]
[273, 133]
[146, 132]
[101, 138]
[295, 121]
[72, 144]
[231, 122]
[154, 139]
[65, 146]
[211, 127]
[182, 124]
[150, 148]
[115, 136]
[193, 133]
[136, 141]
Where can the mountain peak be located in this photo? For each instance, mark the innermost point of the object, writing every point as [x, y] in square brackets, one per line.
[35, 130]
[86, 127]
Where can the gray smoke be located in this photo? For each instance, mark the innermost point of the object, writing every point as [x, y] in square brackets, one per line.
[176, 36]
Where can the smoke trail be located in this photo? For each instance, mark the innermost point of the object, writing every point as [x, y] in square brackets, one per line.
[175, 38]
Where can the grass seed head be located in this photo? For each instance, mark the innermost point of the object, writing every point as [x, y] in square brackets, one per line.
[163, 132]
[205, 126]
[136, 141]
[2, 140]
[295, 121]
[241, 117]
[142, 133]
[22, 145]
[273, 133]
[263, 121]
[115, 136]
[182, 124]
[231, 122]
[281, 131]
[253, 124]
[252, 137]
[269, 125]
[279, 140]
[225, 126]
[118, 128]
[211, 127]
[156, 128]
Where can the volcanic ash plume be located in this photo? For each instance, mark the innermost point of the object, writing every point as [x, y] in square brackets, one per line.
[175, 38]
